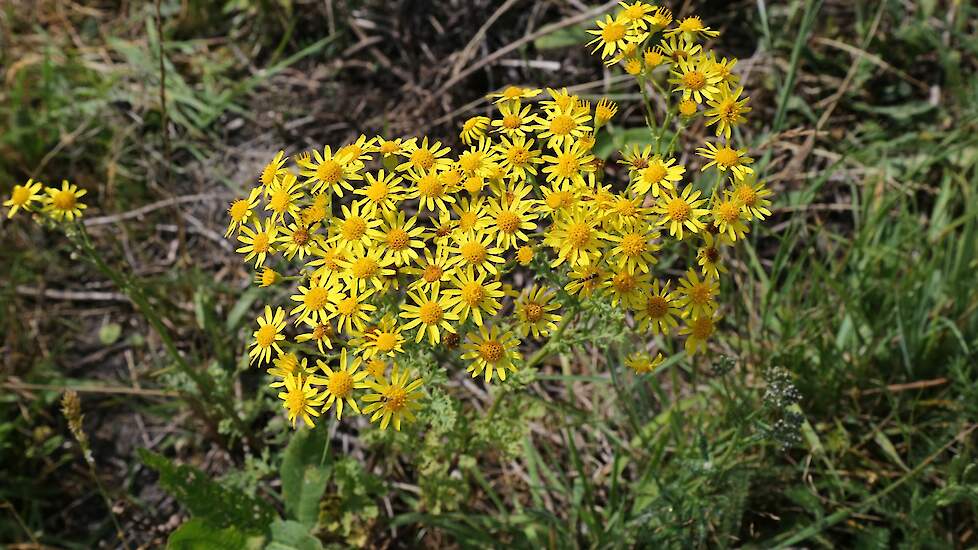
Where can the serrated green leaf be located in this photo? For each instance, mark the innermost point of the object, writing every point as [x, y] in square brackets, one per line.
[208, 500]
[292, 535]
[197, 534]
[304, 477]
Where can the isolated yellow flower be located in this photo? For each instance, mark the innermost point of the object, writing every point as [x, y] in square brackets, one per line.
[366, 268]
[63, 204]
[753, 197]
[268, 335]
[627, 288]
[491, 352]
[433, 269]
[314, 300]
[299, 239]
[300, 399]
[425, 157]
[283, 198]
[398, 239]
[692, 27]
[643, 362]
[658, 174]
[604, 111]
[633, 250]
[518, 157]
[585, 280]
[285, 365]
[478, 252]
[330, 173]
[241, 211]
[430, 190]
[352, 310]
[359, 151]
[575, 239]
[267, 277]
[382, 193]
[696, 80]
[612, 35]
[728, 217]
[384, 340]
[394, 399]
[341, 382]
[568, 164]
[23, 195]
[512, 216]
[563, 126]
[708, 255]
[350, 230]
[639, 15]
[698, 330]
[273, 170]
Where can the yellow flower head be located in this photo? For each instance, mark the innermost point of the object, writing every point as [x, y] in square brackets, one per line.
[268, 335]
[23, 195]
[393, 399]
[491, 352]
[63, 204]
[300, 399]
[643, 362]
[341, 382]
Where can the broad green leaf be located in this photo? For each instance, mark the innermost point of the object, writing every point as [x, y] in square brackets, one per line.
[304, 476]
[197, 534]
[292, 535]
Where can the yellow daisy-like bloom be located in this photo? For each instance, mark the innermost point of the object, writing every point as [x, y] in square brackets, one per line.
[322, 333]
[359, 151]
[287, 364]
[23, 195]
[726, 111]
[511, 94]
[708, 255]
[681, 210]
[318, 212]
[633, 250]
[394, 400]
[267, 277]
[429, 313]
[753, 197]
[273, 170]
[351, 229]
[425, 157]
[471, 218]
[698, 331]
[330, 263]
[472, 295]
[575, 238]
[658, 175]
[695, 79]
[376, 368]
[367, 267]
[491, 353]
[512, 216]
[642, 361]
[558, 200]
[329, 173]
[585, 280]
[524, 255]
[563, 126]
[478, 159]
[474, 129]
[535, 310]
[518, 157]
[430, 190]
[632, 65]
[727, 217]
[258, 242]
[604, 111]
[636, 158]
[688, 108]
[516, 120]
[268, 335]
[389, 147]
[627, 288]
[568, 164]
[612, 35]
[724, 68]
[692, 27]
[638, 14]
[283, 198]
[697, 297]
[433, 269]
[652, 58]
[301, 399]
[658, 310]
[352, 310]
[727, 158]
[679, 47]
[661, 18]
[382, 193]
[341, 382]
[384, 340]
[313, 300]
[299, 240]
[240, 211]
[398, 238]
[627, 213]
[477, 252]
[63, 204]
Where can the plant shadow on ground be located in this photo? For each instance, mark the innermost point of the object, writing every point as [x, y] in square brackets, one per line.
[860, 288]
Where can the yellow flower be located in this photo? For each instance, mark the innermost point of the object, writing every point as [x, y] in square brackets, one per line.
[534, 309]
[563, 126]
[330, 263]
[472, 295]
[398, 238]
[382, 192]
[518, 157]
[300, 239]
[271, 172]
[724, 68]
[727, 217]
[389, 147]
[341, 382]
[524, 255]
[330, 173]
[350, 230]
[63, 204]
[385, 339]
[698, 331]
[658, 310]
[681, 210]
[511, 94]
[633, 65]
[395, 399]
[359, 151]
[627, 288]
[575, 238]
[726, 111]
[753, 197]
[512, 216]
[626, 213]
[652, 58]
[283, 198]
[708, 255]
[321, 333]
[426, 157]
[267, 277]
[313, 300]
[612, 35]
[429, 313]
[692, 27]
[679, 47]
[287, 364]
[376, 368]
[433, 269]
[241, 211]
[429, 188]
[474, 129]
[301, 399]
[688, 108]
[584, 280]
[23, 195]
[516, 119]
[604, 111]
[365, 268]
[352, 310]
[477, 160]
[633, 250]
[258, 242]
[726, 158]
[697, 297]
[268, 335]
[568, 164]
[638, 14]
[491, 352]
[642, 362]
[695, 79]
[477, 252]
